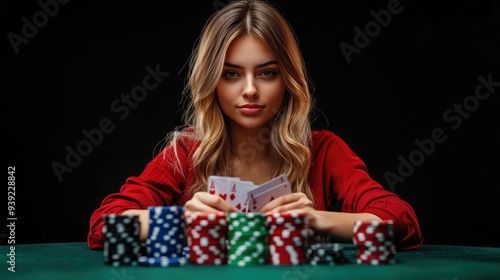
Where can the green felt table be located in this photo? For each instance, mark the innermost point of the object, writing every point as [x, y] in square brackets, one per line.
[73, 261]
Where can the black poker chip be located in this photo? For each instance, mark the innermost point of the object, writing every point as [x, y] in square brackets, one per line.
[325, 254]
[121, 244]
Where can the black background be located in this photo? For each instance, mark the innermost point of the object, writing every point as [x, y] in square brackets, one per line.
[394, 91]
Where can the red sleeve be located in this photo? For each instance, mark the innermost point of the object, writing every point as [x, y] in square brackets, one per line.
[345, 176]
[160, 183]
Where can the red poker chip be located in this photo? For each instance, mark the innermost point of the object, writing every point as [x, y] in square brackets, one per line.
[376, 253]
[283, 218]
[206, 219]
[213, 256]
[375, 256]
[373, 233]
[288, 234]
[375, 242]
[286, 255]
[376, 261]
[207, 236]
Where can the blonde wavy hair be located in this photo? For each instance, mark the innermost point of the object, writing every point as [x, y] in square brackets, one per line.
[204, 121]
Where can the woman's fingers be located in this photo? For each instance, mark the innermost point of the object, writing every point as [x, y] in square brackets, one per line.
[294, 202]
[206, 202]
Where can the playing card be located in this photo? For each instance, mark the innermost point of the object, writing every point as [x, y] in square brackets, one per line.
[270, 184]
[280, 179]
[237, 193]
[256, 200]
[219, 185]
[250, 201]
[245, 196]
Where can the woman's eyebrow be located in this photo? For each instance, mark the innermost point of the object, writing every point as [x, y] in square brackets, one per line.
[232, 65]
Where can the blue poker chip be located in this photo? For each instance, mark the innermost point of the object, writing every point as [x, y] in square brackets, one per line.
[162, 261]
[185, 252]
[166, 243]
[166, 235]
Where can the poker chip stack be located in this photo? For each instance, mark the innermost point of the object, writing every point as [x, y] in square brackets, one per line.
[166, 237]
[121, 239]
[375, 242]
[248, 239]
[325, 254]
[287, 238]
[207, 236]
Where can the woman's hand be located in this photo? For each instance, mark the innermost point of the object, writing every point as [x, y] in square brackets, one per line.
[143, 220]
[294, 202]
[206, 202]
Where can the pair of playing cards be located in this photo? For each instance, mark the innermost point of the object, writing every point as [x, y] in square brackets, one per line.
[245, 196]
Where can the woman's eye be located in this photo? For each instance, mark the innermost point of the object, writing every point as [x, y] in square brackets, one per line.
[230, 74]
[268, 73]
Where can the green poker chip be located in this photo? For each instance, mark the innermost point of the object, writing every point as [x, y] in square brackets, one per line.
[248, 237]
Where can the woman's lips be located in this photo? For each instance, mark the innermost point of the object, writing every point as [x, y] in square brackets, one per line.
[250, 109]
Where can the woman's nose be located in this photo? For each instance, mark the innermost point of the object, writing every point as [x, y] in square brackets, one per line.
[250, 90]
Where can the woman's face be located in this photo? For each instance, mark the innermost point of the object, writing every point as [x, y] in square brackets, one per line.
[251, 88]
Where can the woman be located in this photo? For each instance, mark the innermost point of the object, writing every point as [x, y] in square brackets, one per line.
[248, 116]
